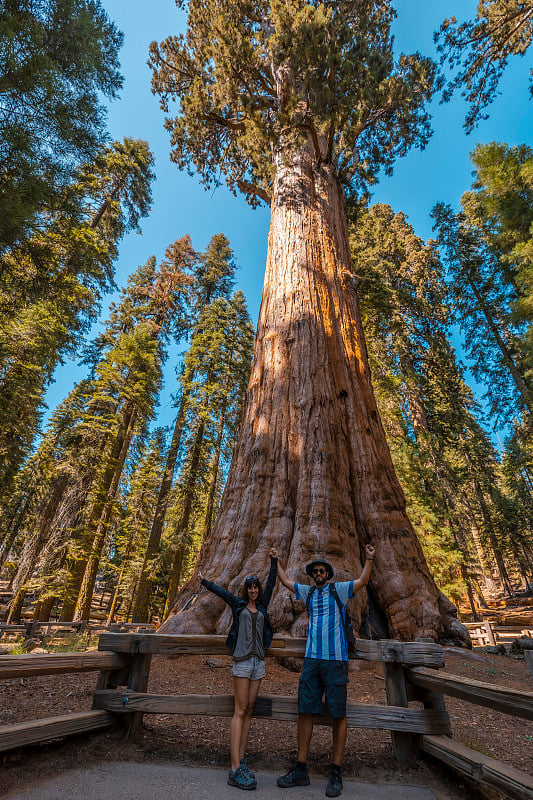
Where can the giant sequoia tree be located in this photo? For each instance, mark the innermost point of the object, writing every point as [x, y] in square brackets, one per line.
[297, 104]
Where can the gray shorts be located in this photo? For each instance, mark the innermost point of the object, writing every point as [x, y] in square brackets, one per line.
[253, 668]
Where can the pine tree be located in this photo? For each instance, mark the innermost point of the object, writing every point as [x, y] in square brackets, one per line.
[213, 278]
[108, 410]
[447, 466]
[499, 210]
[131, 372]
[482, 302]
[139, 501]
[79, 248]
[480, 49]
[297, 105]
[57, 57]
[219, 356]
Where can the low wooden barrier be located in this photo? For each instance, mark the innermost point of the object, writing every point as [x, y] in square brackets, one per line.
[42, 730]
[488, 633]
[412, 673]
[33, 628]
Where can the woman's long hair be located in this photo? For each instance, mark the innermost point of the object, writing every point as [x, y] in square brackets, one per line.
[252, 580]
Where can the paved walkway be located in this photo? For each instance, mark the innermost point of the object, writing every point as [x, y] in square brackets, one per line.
[132, 781]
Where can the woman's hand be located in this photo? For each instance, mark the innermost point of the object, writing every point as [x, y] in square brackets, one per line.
[273, 552]
[199, 577]
[370, 552]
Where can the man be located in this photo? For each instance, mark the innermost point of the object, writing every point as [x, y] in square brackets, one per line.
[325, 667]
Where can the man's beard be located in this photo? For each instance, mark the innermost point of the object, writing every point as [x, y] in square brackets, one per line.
[320, 580]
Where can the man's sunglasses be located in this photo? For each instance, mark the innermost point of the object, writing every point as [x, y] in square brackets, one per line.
[319, 571]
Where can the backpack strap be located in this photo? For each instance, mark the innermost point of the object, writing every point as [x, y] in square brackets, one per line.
[308, 600]
[333, 591]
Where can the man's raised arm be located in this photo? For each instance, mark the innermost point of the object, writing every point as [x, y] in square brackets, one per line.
[282, 575]
[364, 577]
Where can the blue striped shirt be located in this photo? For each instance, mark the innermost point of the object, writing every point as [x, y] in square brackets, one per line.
[325, 634]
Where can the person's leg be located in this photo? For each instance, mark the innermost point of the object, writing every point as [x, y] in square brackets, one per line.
[305, 731]
[240, 694]
[335, 675]
[309, 703]
[339, 740]
[253, 690]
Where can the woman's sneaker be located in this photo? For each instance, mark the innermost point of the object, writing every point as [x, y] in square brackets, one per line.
[238, 777]
[294, 777]
[246, 768]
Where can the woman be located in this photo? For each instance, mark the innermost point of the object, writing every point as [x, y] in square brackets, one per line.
[250, 633]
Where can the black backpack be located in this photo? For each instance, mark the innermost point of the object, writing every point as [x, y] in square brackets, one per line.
[349, 634]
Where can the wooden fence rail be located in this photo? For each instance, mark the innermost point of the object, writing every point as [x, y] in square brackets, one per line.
[393, 718]
[59, 664]
[35, 627]
[489, 633]
[412, 673]
[499, 698]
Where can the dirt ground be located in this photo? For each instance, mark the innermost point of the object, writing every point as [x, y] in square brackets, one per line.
[204, 740]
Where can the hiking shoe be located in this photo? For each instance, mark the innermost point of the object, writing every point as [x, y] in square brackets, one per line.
[238, 777]
[334, 787]
[247, 769]
[294, 777]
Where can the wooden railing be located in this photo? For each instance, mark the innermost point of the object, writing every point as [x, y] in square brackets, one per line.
[489, 633]
[412, 673]
[36, 731]
[470, 763]
[33, 628]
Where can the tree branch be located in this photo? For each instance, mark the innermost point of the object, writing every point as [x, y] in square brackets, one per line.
[250, 188]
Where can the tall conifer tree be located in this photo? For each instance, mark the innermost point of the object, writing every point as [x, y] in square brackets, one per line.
[297, 104]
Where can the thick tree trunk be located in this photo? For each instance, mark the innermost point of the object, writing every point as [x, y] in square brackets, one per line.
[312, 473]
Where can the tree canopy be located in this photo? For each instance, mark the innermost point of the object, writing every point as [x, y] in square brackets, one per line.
[57, 58]
[252, 77]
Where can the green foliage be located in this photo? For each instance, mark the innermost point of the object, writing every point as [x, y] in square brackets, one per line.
[482, 298]
[499, 207]
[254, 80]
[67, 266]
[479, 50]
[465, 517]
[56, 58]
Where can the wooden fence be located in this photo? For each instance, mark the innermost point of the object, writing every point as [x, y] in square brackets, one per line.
[32, 628]
[489, 633]
[413, 672]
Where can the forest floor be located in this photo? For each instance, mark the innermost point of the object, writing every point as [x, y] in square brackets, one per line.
[204, 740]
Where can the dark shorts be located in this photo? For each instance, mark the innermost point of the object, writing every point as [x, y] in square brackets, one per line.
[320, 677]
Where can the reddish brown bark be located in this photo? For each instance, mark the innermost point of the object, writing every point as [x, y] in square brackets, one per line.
[312, 473]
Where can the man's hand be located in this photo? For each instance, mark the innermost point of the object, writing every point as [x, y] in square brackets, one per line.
[370, 552]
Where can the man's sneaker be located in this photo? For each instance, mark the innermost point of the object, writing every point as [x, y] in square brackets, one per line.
[294, 777]
[247, 769]
[238, 777]
[334, 787]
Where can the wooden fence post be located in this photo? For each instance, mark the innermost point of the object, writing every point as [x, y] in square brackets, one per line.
[137, 682]
[528, 655]
[395, 685]
[489, 632]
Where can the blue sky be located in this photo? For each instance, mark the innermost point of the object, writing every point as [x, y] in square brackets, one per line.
[181, 205]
